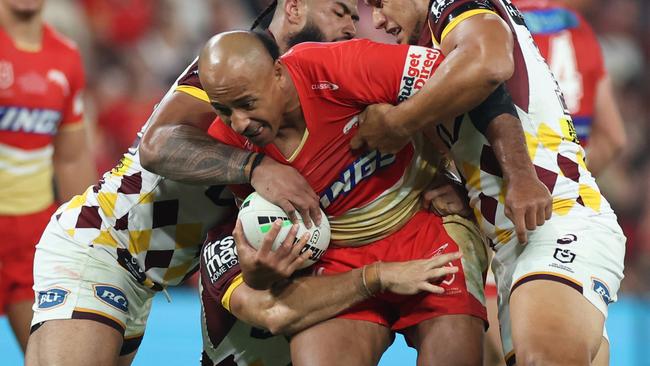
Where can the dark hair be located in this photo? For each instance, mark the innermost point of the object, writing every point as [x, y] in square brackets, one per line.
[269, 44]
[269, 9]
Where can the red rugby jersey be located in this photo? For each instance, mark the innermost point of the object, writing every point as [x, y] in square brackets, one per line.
[40, 93]
[366, 196]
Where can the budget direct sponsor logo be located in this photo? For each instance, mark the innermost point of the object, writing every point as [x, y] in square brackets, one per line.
[418, 68]
[51, 298]
[220, 256]
[112, 296]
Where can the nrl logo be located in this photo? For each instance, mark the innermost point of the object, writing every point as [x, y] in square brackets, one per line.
[6, 74]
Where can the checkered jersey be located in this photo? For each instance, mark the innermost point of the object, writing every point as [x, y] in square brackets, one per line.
[551, 138]
[152, 226]
[145, 221]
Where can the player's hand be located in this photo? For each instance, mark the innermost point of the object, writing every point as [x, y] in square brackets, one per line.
[284, 186]
[412, 277]
[264, 267]
[377, 132]
[447, 199]
[528, 204]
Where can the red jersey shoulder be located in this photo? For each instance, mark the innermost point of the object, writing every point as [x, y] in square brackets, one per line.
[55, 39]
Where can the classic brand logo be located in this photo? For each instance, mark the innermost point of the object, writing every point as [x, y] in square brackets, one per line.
[324, 85]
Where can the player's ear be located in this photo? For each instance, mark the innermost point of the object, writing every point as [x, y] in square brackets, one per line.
[278, 70]
[294, 10]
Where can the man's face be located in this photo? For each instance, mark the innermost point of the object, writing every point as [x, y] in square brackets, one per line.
[23, 9]
[328, 21]
[252, 105]
[402, 18]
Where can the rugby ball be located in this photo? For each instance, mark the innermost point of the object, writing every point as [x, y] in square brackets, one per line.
[257, 216]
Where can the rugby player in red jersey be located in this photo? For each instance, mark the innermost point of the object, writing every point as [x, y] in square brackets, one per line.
[42, 137]
[176, 145]
[487, 43]
[108, 251]
[303, 110]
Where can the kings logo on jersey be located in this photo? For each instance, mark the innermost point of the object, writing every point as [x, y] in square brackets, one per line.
[30, 120]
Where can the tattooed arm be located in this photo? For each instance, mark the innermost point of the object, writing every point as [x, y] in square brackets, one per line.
[177, 146]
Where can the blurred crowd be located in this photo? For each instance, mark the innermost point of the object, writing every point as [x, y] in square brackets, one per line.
[134, 49]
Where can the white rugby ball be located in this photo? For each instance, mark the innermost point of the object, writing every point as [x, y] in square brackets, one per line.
[257, 216]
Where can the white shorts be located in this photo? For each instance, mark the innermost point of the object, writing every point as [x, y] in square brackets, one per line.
[584, 253]
[76, 281]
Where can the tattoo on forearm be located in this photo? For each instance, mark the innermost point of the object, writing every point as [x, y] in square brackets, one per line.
[191, 156]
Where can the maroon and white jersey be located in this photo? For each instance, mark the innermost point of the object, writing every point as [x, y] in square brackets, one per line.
[550, 135]
[228, 341]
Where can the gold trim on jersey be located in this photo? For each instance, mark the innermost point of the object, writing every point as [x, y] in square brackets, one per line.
[473, 244]
[72, 126]
[299, 148]
[457, 20]
[26, 180]
[573, 280]
[236, 282]
[96, 312]
[393, 208]
[31, 47]
[194, 91]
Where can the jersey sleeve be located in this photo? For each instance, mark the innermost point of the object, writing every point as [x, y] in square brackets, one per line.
[362, 72]
[74, 107]
[189, 82]
[220, 271]
[447, 14]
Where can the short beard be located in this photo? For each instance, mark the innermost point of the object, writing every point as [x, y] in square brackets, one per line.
[309, 33]
[414, 39]
[24, 15]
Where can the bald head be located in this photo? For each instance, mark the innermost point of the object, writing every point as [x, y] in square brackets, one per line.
[235, 55]
[245, 84]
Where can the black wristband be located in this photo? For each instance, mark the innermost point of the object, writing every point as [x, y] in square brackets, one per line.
[256, 161]
[498, 103]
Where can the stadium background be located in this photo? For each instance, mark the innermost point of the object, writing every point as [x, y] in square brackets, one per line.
[134, 49]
